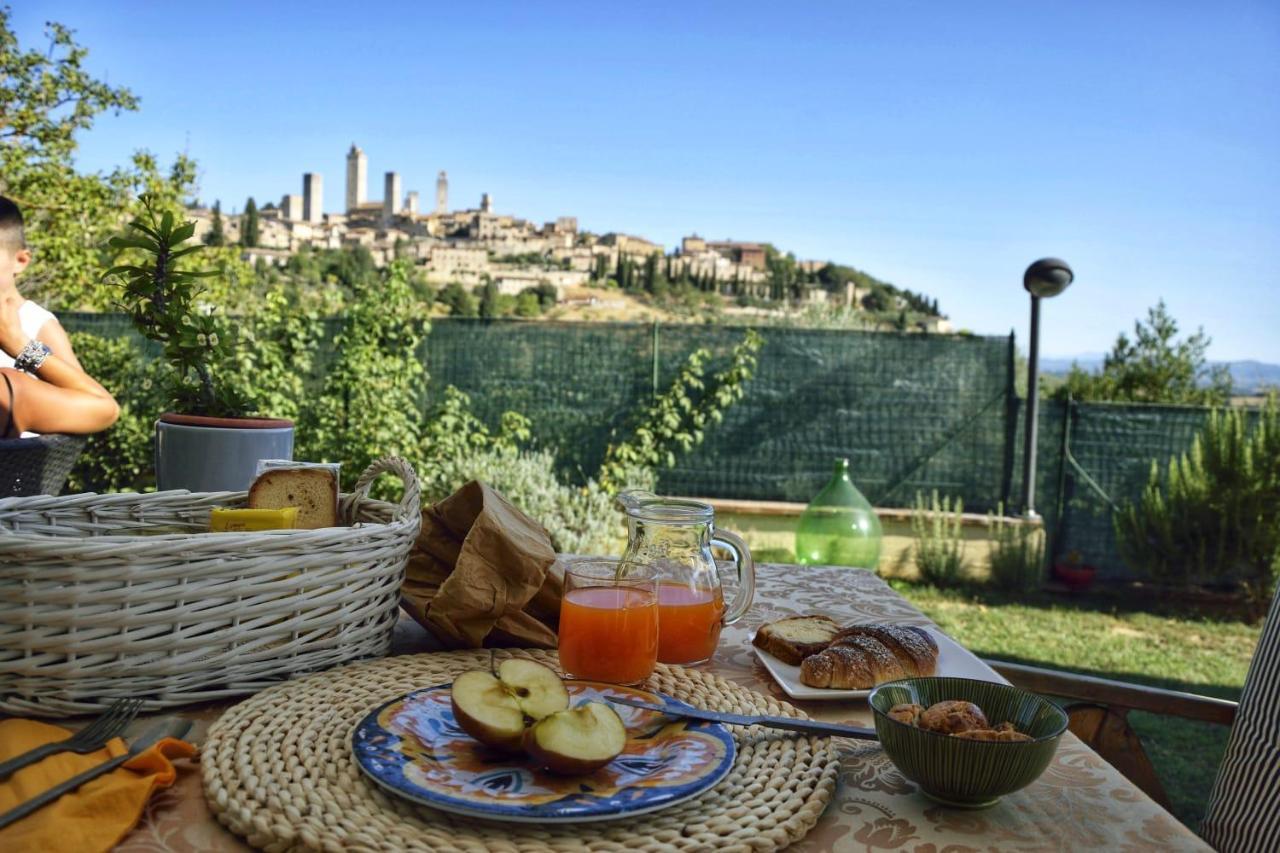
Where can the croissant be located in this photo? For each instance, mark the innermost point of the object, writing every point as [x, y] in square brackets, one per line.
[916, 651]
[855, 663]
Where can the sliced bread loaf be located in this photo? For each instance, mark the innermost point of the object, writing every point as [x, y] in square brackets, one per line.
[314, 491]
[793, 639]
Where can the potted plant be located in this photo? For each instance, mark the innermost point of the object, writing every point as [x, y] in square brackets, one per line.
[1078, 576]
[205, 442]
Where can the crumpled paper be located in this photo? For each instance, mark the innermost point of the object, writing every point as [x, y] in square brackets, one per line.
[480, 575]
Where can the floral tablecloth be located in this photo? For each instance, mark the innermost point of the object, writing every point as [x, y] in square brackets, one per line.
[1080, 803]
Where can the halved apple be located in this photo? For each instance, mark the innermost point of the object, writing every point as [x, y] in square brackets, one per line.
[493, 710]
[577, 741]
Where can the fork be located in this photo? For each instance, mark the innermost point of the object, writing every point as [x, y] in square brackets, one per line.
[93, 736]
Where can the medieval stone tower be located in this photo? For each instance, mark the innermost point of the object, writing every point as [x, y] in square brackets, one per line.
[312, 197]
[442, 193]
[357, 178]
[390, 195]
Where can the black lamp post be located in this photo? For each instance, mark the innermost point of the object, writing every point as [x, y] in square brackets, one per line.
[1045, 278]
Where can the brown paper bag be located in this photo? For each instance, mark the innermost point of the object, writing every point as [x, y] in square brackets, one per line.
[480, 574]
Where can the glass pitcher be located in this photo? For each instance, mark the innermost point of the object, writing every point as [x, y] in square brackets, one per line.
[676, 537]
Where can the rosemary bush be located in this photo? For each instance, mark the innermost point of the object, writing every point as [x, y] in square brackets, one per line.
[939, 545]
[579, 519]
[1213, 516]
[1017, 553]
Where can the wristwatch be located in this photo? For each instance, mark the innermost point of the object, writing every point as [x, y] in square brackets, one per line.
[32, 356]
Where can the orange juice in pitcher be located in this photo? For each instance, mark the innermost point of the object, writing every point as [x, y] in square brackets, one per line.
[675, 537]
[689, 622]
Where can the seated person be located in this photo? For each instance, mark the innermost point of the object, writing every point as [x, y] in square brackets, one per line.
[43, 389]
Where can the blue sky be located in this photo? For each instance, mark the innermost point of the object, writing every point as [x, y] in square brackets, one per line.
[941, 146]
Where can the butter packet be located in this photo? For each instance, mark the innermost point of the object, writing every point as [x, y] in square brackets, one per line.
[245, 520]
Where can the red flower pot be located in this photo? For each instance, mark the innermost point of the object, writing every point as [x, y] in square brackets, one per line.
[1077, 576]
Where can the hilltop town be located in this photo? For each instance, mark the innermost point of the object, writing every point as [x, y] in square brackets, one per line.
[475, 246]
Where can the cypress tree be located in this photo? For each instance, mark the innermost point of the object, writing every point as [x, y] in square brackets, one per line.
[216, 236]
[651, 274]
[249, 224]
[489, 299]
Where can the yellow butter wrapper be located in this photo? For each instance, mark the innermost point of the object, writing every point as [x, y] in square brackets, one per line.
[242, 520]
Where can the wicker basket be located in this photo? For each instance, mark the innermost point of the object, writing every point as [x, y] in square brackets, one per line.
[103, 596]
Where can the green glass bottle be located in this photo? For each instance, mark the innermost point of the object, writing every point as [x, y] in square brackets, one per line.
[839, 526]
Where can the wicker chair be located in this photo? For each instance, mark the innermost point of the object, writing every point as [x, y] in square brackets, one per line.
[38, 465]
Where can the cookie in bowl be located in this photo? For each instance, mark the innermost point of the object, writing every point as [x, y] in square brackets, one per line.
[982, 740]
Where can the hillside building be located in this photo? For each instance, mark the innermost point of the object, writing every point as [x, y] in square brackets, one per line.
[291, 207]
[751, 254]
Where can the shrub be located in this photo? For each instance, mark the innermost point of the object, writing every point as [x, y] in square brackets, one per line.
[368, 406]
[121, 458]
[580, 519]
[453, 435]
[1017, 553]
[273, 363]
[1214, 515]
[939, 545]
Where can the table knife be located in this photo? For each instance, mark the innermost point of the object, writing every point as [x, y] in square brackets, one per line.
[791, 724]
[163, 729]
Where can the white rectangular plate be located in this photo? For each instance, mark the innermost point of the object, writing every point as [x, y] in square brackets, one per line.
[953, 659]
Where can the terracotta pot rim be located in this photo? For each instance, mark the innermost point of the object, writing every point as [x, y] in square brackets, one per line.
[224, 423]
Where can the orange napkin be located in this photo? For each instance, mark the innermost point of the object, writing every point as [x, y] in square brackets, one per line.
[98, 814]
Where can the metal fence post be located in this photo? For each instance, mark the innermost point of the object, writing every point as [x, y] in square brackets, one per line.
[655, 359]
[1064, 450]
[1010, 422]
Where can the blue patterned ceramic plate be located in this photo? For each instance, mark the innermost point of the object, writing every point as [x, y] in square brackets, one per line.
[413, 747]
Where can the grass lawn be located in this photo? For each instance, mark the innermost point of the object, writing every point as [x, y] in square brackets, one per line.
[1158, 646]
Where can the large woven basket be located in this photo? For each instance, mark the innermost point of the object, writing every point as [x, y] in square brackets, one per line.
[103, 596]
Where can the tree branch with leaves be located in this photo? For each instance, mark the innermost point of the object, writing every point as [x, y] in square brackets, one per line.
[677, 420]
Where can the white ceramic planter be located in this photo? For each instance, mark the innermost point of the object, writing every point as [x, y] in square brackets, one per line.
[216, 454]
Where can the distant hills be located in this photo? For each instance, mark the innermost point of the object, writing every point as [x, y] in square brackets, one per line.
[1249, 376]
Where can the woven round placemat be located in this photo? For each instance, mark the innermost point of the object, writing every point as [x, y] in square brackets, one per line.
[278, 771]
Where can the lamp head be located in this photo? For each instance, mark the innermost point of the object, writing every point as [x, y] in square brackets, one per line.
[1047, 277]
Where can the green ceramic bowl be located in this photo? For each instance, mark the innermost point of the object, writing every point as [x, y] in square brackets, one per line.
[968, 773]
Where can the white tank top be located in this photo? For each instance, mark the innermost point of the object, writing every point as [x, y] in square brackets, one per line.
[32, 318]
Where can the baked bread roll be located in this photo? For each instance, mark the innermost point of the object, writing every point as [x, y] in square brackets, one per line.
[997, 734]
[855, 663]
[314, 491]
[908, 712]
[916, 651]
[953, 717]
[793, 639]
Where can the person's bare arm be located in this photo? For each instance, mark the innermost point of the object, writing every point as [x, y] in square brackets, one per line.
[63, 398]
[55, 338]
[43, 407]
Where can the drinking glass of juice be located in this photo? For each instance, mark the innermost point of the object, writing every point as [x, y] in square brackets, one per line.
[609, 621]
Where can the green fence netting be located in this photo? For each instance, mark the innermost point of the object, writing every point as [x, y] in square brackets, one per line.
[1108, 457]
[912, 413]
